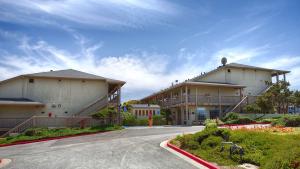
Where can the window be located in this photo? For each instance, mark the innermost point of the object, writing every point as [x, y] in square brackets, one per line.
[228, 70]
[143, 112]
[31, 80]
[140, 112]
[153, 112]
[66, 112]
[136, 112]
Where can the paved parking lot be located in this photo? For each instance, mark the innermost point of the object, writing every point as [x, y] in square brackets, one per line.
[131, 148]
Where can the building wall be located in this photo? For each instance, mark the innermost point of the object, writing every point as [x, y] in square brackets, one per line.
[213, 91]
[59, 95]
[254, 80]
[19, 111]
[12, 89]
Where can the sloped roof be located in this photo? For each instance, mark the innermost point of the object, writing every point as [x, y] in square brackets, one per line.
[72, 74]
[238, 65]
[193, 83]
[145, 106]
[241, 66]
[19, 101]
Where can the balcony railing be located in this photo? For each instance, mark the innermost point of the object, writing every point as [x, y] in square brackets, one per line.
[200, 100]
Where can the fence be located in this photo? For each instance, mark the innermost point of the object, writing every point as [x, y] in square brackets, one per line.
[57, 122]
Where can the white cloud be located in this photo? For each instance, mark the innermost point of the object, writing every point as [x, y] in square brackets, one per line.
[290, 63]
[124, 13]
[240, 54]
[244, 32]
[142, 71]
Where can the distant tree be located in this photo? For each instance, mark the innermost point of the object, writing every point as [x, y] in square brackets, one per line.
[276, 99]
[252, 108]
[166, 113]
[107, 113]
[282, 96]
[129, 103]
[264, 103]
[297, 98]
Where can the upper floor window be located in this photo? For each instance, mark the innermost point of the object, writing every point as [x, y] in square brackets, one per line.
[228, 70]
[31, 80]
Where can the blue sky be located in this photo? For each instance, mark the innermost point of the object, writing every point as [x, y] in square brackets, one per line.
[148, 43]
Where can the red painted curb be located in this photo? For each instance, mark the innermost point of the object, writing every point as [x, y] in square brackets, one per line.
[232, 125]
[191, 156]
[48, 139]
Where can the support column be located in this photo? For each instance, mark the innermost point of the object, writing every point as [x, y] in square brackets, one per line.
[181, 109]
[220, 107]
[277, 78]
[284, 79]
[119, 104]
[171, 98]
[196, 98]
[186, 104]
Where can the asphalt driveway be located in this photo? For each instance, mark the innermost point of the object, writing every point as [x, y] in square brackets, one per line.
[131, 148]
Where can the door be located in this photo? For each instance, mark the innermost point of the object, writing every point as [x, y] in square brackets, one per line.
[213, 114]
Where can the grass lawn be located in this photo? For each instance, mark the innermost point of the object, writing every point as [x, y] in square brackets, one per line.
[40, 133]
[267, 149]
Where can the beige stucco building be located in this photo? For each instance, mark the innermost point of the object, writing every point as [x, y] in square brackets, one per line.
[57, 94]
[213, 94]
[143, 110]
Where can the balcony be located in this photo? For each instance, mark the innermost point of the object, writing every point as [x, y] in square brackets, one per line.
[199, 100]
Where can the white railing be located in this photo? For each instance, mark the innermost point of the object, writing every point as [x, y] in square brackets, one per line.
[10, 122]
[200, 100]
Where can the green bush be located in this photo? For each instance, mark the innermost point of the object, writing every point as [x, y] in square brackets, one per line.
[211, 142]
[142, 122]
[188, 142]
[288, 121]
[159, 120]
[129, 119]
[268, 151]
[240, 120]
[230, 116]
[34, 132]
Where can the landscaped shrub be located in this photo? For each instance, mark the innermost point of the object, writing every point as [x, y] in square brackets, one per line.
[211, 142]
[159, 120]
[235, 118]
[142, 122]
[288, 121]
[267, 150]
[35, 131]
[129, 119]
[210, 123]
[211, 131]
[240, 120]
[188, 142]
[230, 116]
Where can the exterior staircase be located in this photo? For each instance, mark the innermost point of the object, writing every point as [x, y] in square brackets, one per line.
[111, 99]
[105, 101]
[246, 100]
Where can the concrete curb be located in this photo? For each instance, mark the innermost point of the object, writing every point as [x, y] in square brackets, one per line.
[4, 162]
[235, 125]
[48, 139]
[181, 156]
[193, 157]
